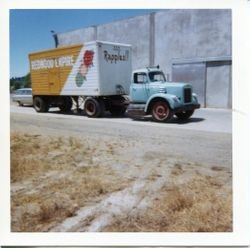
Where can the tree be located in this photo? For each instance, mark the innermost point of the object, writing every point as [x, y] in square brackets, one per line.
[15, 84]
[27, 81]
[20, 82]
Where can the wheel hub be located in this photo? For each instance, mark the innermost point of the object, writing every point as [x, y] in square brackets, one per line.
[91, 107]
[161, 111]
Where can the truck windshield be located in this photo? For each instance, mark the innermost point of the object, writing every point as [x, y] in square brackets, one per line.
[156, 76]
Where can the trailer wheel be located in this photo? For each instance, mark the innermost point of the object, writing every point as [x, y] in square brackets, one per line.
[117, 110]
[161, 112]
[94, 107]
[184, 115]
[67, 104]
[40, 104]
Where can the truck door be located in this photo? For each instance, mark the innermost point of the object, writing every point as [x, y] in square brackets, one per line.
[54, 81]
[138, 91]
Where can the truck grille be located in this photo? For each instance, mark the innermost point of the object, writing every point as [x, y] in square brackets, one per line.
[187, 95]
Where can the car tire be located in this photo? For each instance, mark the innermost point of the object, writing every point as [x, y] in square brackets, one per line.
[20, 104]
[184, 115]
[40, 104]
[161, 112]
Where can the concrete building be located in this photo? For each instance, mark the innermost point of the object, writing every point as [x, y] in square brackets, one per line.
[191, 45]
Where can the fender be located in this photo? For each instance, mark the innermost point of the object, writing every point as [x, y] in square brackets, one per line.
[167, 97]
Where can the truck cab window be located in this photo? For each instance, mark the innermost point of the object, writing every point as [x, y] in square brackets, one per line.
[156, 76]
[140, 78]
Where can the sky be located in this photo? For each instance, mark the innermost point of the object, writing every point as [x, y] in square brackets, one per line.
[30, 29]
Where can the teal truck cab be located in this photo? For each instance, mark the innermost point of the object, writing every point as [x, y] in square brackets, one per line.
[151, 94]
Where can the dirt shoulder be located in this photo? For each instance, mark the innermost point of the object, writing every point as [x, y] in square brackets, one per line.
[83, 177]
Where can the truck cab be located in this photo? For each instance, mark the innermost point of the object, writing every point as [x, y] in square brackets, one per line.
[151, 94]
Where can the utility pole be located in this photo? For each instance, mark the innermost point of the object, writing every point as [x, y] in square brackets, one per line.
[55, 37]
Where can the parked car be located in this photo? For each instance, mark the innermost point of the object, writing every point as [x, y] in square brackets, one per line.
[23, 96]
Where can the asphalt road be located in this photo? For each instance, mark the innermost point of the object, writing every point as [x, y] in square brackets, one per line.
[206, 137]
[211, 120]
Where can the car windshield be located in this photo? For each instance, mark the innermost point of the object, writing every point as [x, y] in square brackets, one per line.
[28, 92]
[156, 76]
[23, 92]
[18, 92]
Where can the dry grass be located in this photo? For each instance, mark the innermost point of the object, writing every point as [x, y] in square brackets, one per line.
[52, 178]
[177, 170]
[31, 154]
[202, 204]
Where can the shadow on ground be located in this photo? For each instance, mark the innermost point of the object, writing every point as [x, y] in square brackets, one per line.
[81, 112]
[173, 121]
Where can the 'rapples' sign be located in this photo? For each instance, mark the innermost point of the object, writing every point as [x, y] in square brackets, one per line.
[51, 63]
[115, 57]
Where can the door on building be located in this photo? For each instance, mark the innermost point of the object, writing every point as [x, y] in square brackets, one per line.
[193, 73]
[219, 84]
[211, 81]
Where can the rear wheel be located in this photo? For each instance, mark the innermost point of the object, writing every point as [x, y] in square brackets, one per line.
[184, 115]
[94, 107]
[40, 104]
[161, 112]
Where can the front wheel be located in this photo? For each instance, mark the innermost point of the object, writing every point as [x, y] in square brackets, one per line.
[161, 112]
[184, 115]
[19, 103]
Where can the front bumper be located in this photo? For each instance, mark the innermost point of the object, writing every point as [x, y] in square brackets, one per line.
[187, 107]
[138, 109]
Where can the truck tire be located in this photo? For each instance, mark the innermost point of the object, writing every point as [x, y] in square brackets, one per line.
[94, 107]
[67, 104]
[40, 104]
[161, 112]
[117, 110]
[184, 115]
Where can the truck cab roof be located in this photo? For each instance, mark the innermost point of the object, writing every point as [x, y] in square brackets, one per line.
[147, 69]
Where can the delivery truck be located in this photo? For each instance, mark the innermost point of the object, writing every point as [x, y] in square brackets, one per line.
[101, 74]
[98, 72]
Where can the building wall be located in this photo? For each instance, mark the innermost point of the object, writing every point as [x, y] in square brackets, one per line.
[134, 31]
[191, 34]
[77, 36]
[167, 35]
[217, 89]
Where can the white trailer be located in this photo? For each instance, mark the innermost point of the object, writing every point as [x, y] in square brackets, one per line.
[98, 71]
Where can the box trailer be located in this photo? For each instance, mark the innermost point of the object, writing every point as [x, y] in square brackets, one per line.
[99, 72]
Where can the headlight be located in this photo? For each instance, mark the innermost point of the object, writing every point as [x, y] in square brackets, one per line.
[195, 97]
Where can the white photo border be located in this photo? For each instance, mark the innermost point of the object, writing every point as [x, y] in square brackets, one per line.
[241, 125]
